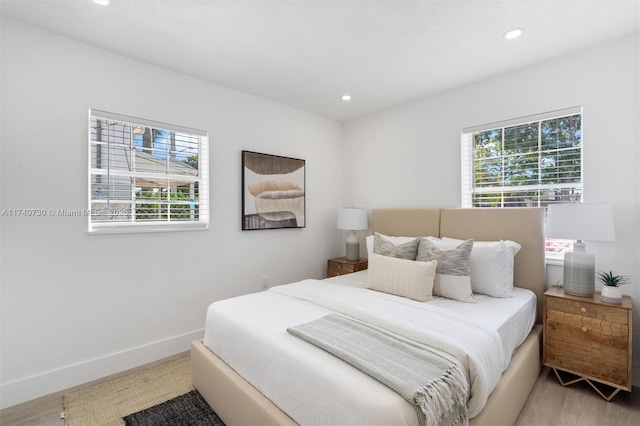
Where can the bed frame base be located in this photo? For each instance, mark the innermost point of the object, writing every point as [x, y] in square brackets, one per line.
[233, 399]
[237, 402]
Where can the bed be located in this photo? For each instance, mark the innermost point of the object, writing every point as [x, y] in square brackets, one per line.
[237, 401]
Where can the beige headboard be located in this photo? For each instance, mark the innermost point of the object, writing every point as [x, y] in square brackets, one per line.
[522, 225]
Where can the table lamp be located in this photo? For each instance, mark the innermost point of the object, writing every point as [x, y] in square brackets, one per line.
[580, 221]
[353, 219]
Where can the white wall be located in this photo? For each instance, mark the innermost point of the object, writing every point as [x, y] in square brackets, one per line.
[409, 156]
[76, 307]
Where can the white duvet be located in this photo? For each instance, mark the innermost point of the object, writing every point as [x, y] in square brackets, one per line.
[312, 386]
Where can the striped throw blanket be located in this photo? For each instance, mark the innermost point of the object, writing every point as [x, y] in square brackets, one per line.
[435, 386]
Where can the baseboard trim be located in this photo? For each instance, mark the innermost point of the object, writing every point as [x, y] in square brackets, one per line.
[82, 374]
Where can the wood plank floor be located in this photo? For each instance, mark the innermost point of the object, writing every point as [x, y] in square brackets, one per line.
[549, 404]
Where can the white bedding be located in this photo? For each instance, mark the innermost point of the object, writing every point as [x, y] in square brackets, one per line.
[249, 334]
[513, 317]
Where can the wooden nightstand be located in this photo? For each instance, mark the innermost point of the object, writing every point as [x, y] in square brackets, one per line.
[341, 266]
[588, 338]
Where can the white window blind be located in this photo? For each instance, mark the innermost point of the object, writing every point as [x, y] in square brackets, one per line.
[145, 175]
[531, 161]
[528, 162]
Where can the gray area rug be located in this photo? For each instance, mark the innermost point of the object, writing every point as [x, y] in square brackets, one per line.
[189, 409]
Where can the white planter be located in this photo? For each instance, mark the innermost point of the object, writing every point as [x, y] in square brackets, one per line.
[611, 294]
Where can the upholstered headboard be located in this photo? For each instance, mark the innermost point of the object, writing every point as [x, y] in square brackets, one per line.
[522, 225]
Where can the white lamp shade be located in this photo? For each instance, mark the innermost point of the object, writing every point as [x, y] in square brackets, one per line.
[353, 219]
[580, 221]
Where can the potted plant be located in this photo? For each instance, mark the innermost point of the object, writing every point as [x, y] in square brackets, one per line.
[611, 292]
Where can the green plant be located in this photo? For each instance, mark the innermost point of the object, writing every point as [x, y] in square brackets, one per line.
[607, 278]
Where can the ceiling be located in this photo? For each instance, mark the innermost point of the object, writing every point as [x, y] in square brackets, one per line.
[307, 53]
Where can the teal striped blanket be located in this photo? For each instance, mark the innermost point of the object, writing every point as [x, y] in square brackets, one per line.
[435, 386]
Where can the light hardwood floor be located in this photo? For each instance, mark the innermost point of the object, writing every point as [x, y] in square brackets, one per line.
[549, 404]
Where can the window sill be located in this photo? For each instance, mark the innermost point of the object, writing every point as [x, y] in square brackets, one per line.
[136, 228]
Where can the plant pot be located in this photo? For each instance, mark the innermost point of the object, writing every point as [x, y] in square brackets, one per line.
[611, 294]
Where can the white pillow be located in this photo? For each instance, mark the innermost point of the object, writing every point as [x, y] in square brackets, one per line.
[491, 265]
[395, 240]
[402, 277]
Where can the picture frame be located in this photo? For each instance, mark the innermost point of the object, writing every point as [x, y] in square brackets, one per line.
[273, 191]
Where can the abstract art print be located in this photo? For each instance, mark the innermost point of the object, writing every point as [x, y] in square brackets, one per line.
[273, 191]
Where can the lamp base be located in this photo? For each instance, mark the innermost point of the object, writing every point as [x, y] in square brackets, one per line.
[353, 252]
[579, 274]
[353, 247]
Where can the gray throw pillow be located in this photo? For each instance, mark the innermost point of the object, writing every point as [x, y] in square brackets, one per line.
[384, 247]
[453, 275]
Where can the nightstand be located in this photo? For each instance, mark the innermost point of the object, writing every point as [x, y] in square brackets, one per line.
[341, 266]
[588, 338]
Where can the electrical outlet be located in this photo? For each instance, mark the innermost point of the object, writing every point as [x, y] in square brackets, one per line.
[265, 282]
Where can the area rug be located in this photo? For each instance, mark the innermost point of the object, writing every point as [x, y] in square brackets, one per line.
[189, 409]
[105, 404]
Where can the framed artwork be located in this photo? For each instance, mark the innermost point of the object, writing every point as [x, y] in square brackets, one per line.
[273, 192]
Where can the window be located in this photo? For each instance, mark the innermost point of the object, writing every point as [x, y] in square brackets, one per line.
[146, 176]
[528, 162]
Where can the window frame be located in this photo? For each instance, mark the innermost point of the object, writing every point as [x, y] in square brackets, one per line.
[467, 166]
[129, 224]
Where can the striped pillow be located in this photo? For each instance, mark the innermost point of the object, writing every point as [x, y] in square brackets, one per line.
[401, 277]
[453, 276]
[384, 247]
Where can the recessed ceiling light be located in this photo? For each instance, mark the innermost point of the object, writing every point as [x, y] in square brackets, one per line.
[101, 2]
[345, 97]
[514, 33]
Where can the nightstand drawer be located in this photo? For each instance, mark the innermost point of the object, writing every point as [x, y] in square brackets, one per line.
[608, 366]
[342, 266]
[340, 269]
[608, 313]
[566, 324]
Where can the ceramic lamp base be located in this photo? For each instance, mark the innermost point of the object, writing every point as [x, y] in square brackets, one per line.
[353, 252]
[579, 274]
[353, 247]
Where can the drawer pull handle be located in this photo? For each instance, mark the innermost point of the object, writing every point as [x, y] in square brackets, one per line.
[583, 309]
[340, 267]
[584, 329]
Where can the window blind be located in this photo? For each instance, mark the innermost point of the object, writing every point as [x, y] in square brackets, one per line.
[146, 175]
[527, 162]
